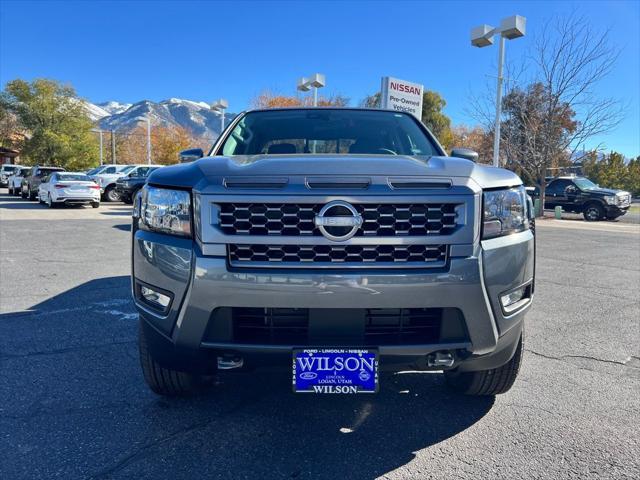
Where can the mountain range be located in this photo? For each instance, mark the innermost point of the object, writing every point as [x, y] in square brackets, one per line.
[196, 117]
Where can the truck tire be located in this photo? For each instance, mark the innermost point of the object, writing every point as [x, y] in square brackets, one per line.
[164, 381]
[593, 212]
[111, 195]
[487, 382]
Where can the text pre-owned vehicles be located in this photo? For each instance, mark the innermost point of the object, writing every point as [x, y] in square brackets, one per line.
[335, 243]
[581, 195]
[14, 181]
[31, 180]
[68, 188]
[6, 171]
[108, 177]
[131, 183]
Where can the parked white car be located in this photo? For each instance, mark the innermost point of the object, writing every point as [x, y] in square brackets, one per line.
[5, 171]
[14, 182]
[66, 188]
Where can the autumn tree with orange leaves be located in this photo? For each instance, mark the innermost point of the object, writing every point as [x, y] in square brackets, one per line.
[269, 99]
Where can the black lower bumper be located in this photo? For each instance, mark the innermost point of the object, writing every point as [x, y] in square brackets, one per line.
[613, 211]
[392, 357]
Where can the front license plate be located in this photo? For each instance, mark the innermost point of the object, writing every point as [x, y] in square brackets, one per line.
[335, 370]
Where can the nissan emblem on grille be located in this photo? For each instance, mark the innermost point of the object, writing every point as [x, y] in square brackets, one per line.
[338, 221]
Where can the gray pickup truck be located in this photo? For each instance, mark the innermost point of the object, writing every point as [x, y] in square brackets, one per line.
[337, 244]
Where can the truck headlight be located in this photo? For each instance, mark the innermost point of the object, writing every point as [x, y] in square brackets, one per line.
[611, 200]
[504, 212]
[166, 211]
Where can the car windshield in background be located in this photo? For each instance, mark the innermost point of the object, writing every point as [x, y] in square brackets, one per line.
[95, 171]
[126, 169]
[68, 177]
[585, 184]
[9, 168]
[328, 131]
[46, 171]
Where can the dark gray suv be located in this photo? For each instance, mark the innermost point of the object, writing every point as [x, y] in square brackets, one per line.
[336, 244]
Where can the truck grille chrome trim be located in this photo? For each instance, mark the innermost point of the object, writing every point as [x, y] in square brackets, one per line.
[379, 220]
[338, 256]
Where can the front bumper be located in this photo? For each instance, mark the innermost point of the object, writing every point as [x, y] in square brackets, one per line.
[616, 211]
[124, 190]
[198, 284]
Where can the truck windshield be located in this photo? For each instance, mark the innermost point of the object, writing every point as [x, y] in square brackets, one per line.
[585, 184]
[328, 131]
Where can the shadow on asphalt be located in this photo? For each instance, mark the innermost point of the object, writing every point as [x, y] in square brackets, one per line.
[12, 202]
[17, 203]
[250, 425]
[125, 227]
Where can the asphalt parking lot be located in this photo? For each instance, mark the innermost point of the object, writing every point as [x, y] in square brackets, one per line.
[73, 403]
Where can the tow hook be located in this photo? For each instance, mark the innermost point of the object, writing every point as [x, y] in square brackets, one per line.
[228, 362]
[440, 359]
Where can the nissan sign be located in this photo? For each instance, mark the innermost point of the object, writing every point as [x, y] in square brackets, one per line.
[402, 96]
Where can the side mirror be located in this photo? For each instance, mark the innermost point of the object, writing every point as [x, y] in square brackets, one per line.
[570, 190]
[191, 155]
[465, 153]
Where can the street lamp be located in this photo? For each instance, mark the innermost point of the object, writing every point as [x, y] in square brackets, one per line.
[97, 130]
[482, 36]
[220, 105]
[316, 81]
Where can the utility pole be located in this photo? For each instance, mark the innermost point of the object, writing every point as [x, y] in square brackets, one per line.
[148, 141]
[101, 155]
[113, 147]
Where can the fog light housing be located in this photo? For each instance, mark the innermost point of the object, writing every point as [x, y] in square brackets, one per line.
[515, 299]
[155, 299]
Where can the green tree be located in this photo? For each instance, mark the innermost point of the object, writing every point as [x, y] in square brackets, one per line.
[633, 176]
[434, 119]
[59, 130]
[432, 116]
[611, 171]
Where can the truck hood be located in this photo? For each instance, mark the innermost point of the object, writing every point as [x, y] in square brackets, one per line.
[604, 191]
[213, 170]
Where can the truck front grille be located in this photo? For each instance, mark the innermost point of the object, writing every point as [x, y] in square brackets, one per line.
[380, 220]
[338, 255]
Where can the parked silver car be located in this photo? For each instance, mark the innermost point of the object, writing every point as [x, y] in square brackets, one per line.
[334, 243]
[108, 176]
[14, 181]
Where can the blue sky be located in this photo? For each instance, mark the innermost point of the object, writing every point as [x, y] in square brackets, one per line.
[129, 51]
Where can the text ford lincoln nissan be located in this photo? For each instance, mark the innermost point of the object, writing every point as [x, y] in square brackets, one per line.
[337, 243]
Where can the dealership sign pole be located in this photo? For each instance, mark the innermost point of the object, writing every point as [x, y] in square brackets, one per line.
[402, 96]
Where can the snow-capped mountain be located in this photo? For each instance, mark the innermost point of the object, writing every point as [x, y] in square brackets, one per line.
[196, 117]
[114, 107]
[95, 112]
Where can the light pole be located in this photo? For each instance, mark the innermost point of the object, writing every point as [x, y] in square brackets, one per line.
[99, 132]
[316, 81]
[220, 105]
[482, 36]
[148, 141]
